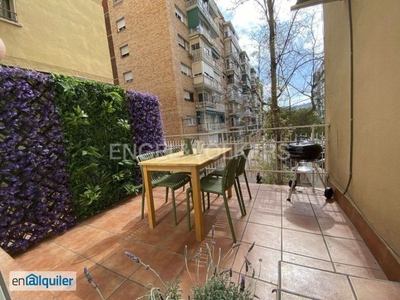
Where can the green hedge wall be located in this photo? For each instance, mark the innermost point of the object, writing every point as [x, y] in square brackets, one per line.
[94, 116]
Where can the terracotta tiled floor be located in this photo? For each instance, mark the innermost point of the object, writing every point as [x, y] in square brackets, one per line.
[309, 249]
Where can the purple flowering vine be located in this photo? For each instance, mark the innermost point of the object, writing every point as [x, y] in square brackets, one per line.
[34, 199]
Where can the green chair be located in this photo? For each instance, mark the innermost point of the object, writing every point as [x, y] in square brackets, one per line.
[168, 180]
[244, 154]
[171, 150]
[219, 186]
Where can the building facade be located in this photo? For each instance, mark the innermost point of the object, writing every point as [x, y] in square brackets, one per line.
[185, 53]
[66, 37]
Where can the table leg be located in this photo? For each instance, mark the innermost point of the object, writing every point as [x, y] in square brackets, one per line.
[198, 210]
[149, 197]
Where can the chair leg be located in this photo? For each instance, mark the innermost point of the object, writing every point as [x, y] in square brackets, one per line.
[228, 214]
[239, 196]
[188, 209]
[174, 207]
[241, 199]
[247, 183]
[166, 194]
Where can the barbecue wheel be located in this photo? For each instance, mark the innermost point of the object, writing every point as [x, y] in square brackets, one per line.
[290, 183]
[328, 192]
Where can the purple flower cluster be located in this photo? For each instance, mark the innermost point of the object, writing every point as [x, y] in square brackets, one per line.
[34, 199]
[145, 119]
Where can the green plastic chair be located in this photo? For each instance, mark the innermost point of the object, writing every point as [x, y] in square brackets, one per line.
[165, 179]
[219, 186]
[244, 153]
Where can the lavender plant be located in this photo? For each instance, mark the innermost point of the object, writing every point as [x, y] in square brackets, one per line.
[218, 282]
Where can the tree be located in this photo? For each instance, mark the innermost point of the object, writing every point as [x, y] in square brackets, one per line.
[293, 53]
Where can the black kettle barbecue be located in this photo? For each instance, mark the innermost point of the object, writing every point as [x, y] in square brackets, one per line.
[305, 151]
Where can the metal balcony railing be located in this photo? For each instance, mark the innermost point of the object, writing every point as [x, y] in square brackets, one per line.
[268, 157]
[211, 127]
[200, 30]
[8, 15]
[230, 35]
[209, 104]
[199, 55]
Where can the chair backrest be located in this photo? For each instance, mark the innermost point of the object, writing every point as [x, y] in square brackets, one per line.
[228, 178]
[244, 154]
[155, 175]
[174, 149]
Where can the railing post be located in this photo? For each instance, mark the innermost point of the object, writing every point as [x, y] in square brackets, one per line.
[312, 132]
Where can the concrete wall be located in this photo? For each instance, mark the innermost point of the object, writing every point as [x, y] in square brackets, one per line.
[373, 191]
[66, 37]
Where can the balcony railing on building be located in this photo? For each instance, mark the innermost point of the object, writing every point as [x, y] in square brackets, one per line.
[8, 14]
[200, 54]
[203, 80]
[230, 35]
[209, 104]
[201, 30]
[232, 53]
[211, 127]
[235, 99]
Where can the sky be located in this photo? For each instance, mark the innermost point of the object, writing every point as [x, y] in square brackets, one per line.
[246, 17]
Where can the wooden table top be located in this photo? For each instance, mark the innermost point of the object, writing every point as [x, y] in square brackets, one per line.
[179, 159]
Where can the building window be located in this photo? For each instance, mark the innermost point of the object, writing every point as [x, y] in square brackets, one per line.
[196, 46]
[124, 51]
[186, 70]
[188, 96]
[7, 10]
[121, 24]
[128, 77]
[179, 14]
[182, 42]
[191, 120]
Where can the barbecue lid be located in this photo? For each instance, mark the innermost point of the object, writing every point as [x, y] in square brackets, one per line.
[304, 150]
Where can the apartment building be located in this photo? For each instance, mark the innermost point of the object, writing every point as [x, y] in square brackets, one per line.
[189, 56]
[65, 37]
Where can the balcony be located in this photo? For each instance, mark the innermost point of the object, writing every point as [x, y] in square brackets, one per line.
[203, 82]
[211, 127]
[199, 55]
[210, 104]
[200, 30]
[235, 99]
[203, 9]
[232, 36]
[305, 245]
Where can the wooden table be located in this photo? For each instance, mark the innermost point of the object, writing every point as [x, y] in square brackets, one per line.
[177, 162]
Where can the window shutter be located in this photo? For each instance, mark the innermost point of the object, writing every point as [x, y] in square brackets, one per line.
[121, 24]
